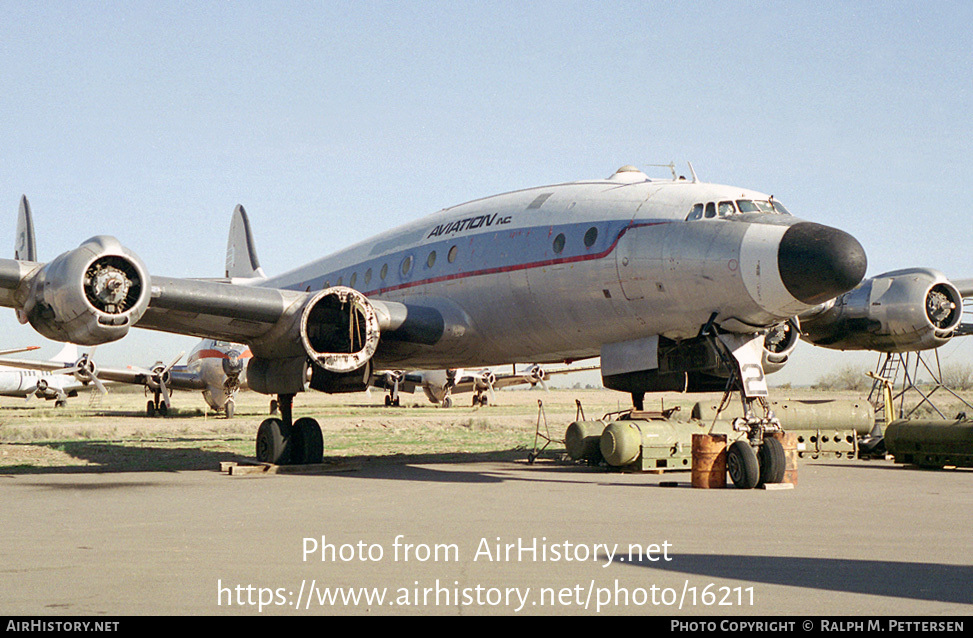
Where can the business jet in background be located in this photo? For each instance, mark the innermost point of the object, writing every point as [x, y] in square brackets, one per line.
[674, 283]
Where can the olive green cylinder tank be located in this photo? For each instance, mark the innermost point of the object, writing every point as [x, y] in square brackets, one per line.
[794, 414]
[930, 443]
[582, 440]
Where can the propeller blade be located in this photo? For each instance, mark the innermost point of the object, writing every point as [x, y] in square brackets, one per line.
[174, 362]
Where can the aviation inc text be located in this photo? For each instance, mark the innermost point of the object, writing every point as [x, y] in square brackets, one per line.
[519, 550]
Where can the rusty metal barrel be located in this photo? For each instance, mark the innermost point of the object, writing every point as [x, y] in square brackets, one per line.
[788, 440]
[709, 461]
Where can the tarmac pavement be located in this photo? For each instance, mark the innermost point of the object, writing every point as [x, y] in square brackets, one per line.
[852, 538]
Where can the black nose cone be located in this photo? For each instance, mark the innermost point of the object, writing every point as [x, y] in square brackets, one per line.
[818, 263]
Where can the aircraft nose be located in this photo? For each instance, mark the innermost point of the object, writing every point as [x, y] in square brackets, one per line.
[818, 262]
[232, 365]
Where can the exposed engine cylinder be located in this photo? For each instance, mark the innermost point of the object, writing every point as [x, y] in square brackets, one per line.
[90, 295]
[899, 311]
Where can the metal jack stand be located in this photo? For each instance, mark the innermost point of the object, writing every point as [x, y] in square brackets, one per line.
[537, 433]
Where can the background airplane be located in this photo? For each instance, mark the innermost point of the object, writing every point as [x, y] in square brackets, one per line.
[217, 368]
[57, 387]
[440, 385]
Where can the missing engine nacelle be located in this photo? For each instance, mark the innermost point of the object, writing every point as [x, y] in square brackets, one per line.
[339, 329]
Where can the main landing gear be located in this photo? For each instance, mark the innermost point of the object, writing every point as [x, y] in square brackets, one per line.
[283, 442]
[156, 406]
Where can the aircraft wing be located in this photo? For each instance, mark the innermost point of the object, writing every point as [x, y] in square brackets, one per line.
[965, 287]
[18, 350]
[95, 293]
[179, 378]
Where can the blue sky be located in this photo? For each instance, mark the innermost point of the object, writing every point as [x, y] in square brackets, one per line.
[330, 122]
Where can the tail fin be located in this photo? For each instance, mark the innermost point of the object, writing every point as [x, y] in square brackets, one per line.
[25, 247]
[241, 254]
[68, 354]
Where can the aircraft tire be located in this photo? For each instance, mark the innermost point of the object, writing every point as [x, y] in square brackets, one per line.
[230, 408]
[306, 442]
[150, 409]
[448, 402]
[163, 410]
[271, 443]
[742, 464]
[773, 462]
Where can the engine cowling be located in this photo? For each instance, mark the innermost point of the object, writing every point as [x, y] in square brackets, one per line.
[327, 345]
[90, 295]
[339, 329]
[899, 311]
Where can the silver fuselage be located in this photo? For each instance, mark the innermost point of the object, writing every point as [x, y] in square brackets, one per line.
[630, 266]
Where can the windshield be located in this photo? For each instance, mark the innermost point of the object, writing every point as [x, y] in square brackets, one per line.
[710, 210]
[761, 206]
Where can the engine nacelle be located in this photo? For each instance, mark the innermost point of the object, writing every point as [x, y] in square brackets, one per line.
[339, 329]
[326, 342]
[90, 295]
[900, 311]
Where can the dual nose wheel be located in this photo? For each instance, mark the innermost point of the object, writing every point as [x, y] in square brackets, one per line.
[751, 468]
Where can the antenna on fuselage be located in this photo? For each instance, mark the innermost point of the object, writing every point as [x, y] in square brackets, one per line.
[693, 171]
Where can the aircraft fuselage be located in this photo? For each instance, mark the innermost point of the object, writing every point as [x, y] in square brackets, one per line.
[554, 273]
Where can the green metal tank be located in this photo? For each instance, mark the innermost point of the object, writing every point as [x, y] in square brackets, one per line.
[931, 443]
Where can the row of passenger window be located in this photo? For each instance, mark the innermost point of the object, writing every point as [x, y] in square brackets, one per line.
[723, 209]
[590, 237]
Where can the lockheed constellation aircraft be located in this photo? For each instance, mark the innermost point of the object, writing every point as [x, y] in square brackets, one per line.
[675, 283]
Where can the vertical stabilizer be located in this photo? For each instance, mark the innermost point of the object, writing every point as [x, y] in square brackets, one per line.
[25, 247]
[241, 254]
[68, 354]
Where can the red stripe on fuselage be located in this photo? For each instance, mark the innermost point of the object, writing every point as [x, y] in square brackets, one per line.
[515, 267]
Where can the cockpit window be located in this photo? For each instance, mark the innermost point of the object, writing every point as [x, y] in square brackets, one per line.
[727, 208]
[761, 206]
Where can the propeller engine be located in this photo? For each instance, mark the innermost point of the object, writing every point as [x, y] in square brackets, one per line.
[900, 311]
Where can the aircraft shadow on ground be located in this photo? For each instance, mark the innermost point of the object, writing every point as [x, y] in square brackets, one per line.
[919, 581]
[106, 456]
